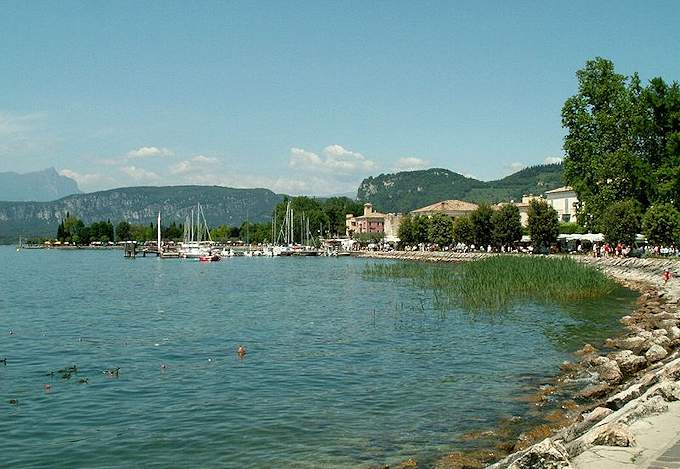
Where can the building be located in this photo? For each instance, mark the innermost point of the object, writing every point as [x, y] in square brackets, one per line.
[369, 222]
[452, 208]
[374, 222]
[564, 201]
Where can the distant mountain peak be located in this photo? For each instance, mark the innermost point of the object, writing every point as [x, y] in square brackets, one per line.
[36, 186]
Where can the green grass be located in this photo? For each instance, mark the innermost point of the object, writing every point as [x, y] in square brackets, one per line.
[498, 282]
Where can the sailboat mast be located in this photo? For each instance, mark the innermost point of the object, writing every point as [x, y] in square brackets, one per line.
[158, 246]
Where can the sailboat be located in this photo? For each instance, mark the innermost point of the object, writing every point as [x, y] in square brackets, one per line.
[197, 240]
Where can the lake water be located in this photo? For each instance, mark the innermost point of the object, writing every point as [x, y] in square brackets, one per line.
[340, 372]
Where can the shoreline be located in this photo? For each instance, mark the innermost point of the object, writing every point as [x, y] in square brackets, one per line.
[637, 375]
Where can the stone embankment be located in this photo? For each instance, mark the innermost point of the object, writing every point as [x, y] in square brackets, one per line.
[631, 410]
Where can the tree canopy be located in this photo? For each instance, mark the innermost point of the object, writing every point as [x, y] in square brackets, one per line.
[622, 143]
[543, 223]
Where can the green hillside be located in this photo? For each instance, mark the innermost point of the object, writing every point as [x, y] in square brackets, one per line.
[405, 191]
[221, 205]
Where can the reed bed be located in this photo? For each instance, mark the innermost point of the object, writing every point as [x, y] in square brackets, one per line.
[496, 283]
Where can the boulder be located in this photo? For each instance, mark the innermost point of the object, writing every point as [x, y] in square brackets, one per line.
[668, 390]
[655, 353]
[674, 333]
[597, 414]
[593, 392]
[627, 320]
[613, 434]
[636, 344]
[652, 406]
[662, 340]
[667, 323]
[620, 399]
[628, 362]
[589, 420]
[547, 454]
[609, 371]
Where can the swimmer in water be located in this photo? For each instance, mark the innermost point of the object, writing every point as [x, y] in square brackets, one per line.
[241, 351]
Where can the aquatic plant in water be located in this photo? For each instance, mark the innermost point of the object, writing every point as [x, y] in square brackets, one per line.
[497, 282]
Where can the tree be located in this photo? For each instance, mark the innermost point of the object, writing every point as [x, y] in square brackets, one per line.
[543, 223]
[482, 225]
[463, 231]
[336, 209]
[621, 222]
[623, 141]
[405, 232]
[440, 229]
[123, 231]
[507, 225]
[661, 225]
[421, 229]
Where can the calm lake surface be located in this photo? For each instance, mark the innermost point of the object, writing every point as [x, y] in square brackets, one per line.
[326, 382]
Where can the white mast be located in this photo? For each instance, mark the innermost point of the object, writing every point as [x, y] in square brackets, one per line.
[158, 246]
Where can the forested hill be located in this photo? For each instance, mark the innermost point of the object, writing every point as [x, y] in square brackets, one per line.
[405, 191]
[222, 205]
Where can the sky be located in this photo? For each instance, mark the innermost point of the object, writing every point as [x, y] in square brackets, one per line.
[304, 97]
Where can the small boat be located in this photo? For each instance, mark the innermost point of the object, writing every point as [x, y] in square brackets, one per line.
[209, 258]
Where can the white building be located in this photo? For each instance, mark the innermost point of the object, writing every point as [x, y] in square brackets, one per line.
[564, 201]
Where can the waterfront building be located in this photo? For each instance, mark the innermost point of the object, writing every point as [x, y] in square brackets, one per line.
[453, 208]
[564, 201]
[374, 222]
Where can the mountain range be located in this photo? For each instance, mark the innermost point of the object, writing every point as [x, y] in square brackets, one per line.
[408, 190]
[399, 192]
[139, 205]
[38, 186]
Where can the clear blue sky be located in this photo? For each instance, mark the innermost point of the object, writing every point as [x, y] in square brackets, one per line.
[304, 97]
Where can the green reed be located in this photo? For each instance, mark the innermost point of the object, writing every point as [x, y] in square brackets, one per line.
[497, 282]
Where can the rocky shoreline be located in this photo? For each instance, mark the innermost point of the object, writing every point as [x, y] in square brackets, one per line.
[634, 376]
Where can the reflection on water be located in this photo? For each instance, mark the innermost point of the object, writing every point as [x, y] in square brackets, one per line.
[340, 371]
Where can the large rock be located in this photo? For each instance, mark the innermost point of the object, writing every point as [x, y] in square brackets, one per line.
[589, 420]
[547, 454]
[636, 344]
[622, 398]
[609, 371]
[652, 406]
[613, 434]
[668, 390]
[674, 333]
[655, 353]
[593, 392]
[628, 362]
[663, 341]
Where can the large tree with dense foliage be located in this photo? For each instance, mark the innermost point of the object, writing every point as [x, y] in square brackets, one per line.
[440, 230]
[621, 222]
[405, 231]
[661, 225]
[623, 141]
[463, 231]
[507, 225]
[543, 223]
[421, 229]
[482, 225]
